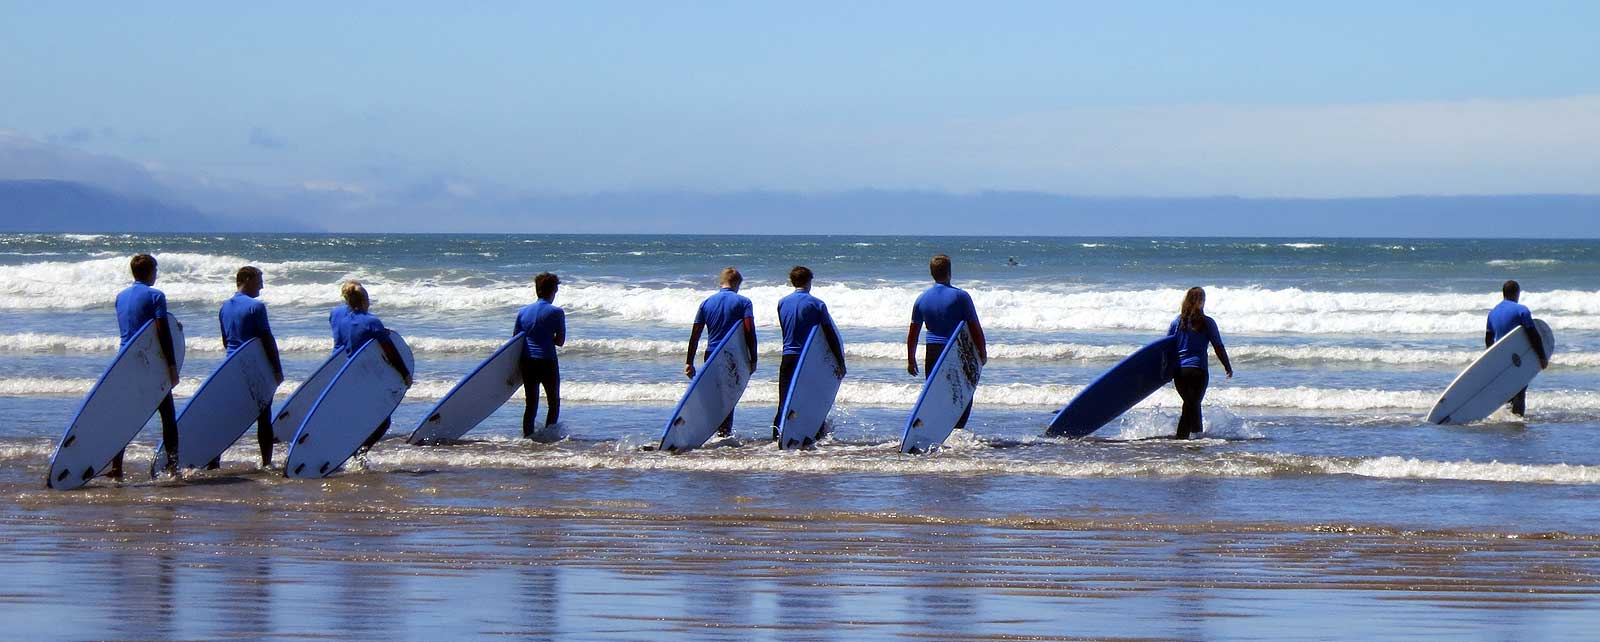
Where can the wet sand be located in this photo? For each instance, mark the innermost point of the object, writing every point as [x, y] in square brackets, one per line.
[554, 555]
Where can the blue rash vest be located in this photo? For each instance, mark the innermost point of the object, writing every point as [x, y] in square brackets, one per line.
[1192, 343]
[722, 312]
[1506, 316]
[542, 321]
[243, 318]
[941, 308]
[798, 313]
[138, 305]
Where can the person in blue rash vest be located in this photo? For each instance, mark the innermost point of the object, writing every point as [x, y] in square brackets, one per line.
[337, 315]
[798, 313]
[1507, 316]
[546, 328]
[1195, 331]
[242, 318]
[355, 330]
[138, 304]
[720, 313]
[942, 307]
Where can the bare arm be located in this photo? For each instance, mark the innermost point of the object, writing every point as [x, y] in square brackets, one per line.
[694, 341]
[912, 334]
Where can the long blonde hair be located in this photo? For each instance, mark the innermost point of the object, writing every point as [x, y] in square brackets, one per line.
[354, 295]
[1192, 316]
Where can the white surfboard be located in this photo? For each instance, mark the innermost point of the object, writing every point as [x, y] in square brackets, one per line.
[1493, 379]
[364, 393]
[116, 409]
[224, 406]
[294, 409]
[712, 394]
[475, 397]
[945, 396]
[812, 391]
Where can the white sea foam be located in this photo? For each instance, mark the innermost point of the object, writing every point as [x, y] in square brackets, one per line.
[204, 278]
[882, 394]
[1303, 246]
[30, 342]
[1517, 262]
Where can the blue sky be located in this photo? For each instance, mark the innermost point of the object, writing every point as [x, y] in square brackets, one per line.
[366, 106]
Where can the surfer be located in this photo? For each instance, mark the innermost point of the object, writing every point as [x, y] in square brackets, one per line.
[546, 328]
[138, 304]
[1507, 316]
[942, 307]
[337, 315]
[355, 329]
[719, 313]
[798, 313]
[244, 317]
[1195, 331]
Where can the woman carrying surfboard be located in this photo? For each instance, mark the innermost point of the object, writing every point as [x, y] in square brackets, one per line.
[1194, 331]
[360, 326]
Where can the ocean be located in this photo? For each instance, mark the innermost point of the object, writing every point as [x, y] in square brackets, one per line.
[1319, 505]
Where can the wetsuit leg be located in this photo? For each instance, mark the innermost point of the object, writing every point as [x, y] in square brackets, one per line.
[786, 367]
[1191, 384]
[550, 380]
[530, 391]
[376, 435]
[264, 438]
[1519, 403]
[169, 430]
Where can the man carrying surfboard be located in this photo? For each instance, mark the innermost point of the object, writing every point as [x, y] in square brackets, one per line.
[720, 313]
[136, 305]
[357, 328]
[244, 317]
[798, 313]
[1507, 316]
[942, 307]
[545, 327]
[1195, 331]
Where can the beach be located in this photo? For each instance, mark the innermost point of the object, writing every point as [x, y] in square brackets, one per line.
[1318, 504]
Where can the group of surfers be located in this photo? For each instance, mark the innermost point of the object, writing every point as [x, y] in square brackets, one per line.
[939, 310]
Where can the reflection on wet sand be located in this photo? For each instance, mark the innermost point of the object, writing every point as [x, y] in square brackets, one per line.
[393, 556]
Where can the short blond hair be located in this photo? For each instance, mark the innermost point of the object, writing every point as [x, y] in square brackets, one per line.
[731, 276]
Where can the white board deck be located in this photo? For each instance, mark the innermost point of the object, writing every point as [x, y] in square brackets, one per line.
[475, 397]
[712, 394]
[294, 409]
[363, 394]
[812, 392]
[950, 387]
[1494, 378]
[116, 408]
[223, 408]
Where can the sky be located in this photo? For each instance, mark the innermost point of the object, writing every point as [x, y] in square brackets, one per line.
[340, 110]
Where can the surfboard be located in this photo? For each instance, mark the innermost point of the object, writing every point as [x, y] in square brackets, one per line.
[294, 409]
[116, 408]
[1120, 388]
[712, 394]
[363, 394]
[474, 398]
[1493, 379]
[812, 390]
[222, 409]
[945, 395]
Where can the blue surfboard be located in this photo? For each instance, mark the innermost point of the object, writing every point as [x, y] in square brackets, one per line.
[475, 397]
[1120, 388]
[952, 381]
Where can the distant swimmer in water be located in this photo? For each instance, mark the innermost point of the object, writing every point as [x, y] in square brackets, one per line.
[942, 307]
[138, 304]
[546, 328]
[720, 313]
[1195, 331]
[798, 313]
[1012, 262]
[355, 329]
[1507, 316]
[244, 317]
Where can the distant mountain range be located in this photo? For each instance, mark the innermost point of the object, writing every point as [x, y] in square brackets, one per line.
[52, 206]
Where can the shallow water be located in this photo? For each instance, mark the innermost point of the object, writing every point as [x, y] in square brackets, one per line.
[1319, 505]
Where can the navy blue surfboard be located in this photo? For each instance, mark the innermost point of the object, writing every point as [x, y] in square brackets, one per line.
[1120, 388]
